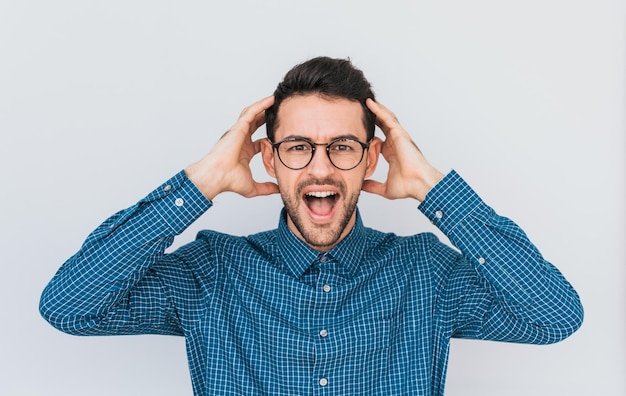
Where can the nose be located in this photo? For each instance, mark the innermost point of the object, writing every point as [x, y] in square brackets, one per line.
[320, 165]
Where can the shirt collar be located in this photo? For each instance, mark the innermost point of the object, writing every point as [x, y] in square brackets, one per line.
[298, 256]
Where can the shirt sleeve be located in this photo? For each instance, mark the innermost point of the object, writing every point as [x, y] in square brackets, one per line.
[109, 286]
[501, 287]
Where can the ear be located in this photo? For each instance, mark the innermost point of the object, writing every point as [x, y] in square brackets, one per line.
[267, 152]
[372, 155]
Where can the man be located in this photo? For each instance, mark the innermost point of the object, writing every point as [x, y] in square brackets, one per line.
[320, 305]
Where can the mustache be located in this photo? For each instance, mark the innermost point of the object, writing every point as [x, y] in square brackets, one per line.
[321, 182]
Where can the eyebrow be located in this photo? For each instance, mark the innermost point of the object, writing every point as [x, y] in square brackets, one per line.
[344, 136]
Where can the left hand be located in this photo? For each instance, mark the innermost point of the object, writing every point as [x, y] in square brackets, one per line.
[410, 175]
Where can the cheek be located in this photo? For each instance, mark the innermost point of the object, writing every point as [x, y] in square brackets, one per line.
[356, 182]
[286, 182]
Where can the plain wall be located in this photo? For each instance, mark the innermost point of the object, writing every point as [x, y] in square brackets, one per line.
[101, 101]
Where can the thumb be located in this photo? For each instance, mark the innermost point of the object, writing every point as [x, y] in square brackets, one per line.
[266, 188]
[374, 187]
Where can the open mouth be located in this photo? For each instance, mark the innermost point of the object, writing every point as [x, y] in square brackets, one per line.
[321, 204]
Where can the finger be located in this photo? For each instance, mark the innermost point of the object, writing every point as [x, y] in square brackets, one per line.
[250, 113]
[374, 187]
[385, 118]
[259, 120]
[253, 116]
[266, 188]
[247, 128]
[257, 145]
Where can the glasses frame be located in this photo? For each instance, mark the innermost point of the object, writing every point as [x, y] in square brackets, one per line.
[314, 145]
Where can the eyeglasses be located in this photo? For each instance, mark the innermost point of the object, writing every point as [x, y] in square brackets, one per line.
[343, 153]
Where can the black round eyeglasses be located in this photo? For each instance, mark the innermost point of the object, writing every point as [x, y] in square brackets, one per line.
[296, 152]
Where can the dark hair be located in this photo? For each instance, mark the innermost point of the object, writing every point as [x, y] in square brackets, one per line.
[328, 77]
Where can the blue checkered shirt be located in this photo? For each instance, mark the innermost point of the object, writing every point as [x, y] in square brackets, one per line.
[266, 314]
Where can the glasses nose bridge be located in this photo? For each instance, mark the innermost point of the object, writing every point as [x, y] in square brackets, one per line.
[325, 152]
[326, 148]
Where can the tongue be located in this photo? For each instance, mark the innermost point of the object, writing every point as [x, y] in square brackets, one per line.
[321, 206]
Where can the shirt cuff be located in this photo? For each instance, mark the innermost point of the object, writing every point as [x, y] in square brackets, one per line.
[449, 202]
[178, 202]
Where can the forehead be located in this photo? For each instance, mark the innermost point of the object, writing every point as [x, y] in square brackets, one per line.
[319, 118]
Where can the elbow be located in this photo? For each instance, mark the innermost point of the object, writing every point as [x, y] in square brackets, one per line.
[57, 316]
[570, 321]
[51, 313]
[68, 324]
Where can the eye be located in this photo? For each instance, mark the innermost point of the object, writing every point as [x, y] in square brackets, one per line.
[297, 146]
[344, 146]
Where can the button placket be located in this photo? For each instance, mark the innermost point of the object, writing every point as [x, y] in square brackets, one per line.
[325, 308]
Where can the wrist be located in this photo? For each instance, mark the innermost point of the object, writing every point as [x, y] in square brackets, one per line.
[428, 181]
[199, 178]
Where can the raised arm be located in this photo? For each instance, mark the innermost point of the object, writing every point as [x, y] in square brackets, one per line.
[502, 288]
[121, 281]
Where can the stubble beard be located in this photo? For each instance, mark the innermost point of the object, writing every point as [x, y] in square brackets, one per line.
[320, 237]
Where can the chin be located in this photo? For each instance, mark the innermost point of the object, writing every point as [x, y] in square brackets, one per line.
[320, 212]
[321, 236]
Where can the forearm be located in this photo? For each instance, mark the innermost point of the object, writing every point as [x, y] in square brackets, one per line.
[97, 286]
[521, 281]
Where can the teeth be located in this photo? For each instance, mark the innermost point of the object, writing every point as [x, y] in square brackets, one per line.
[320, 194]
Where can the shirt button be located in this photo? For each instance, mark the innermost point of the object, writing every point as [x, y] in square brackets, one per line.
[481, 260]
[323, 259]
[323, 333]
[179, 202]
[326, 289]
[167, 188]
[439, 214]
[323, 382]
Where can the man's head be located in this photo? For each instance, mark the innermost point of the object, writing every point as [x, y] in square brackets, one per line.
[328, 78]
[320, 148]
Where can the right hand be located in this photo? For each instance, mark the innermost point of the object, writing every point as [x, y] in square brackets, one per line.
[227, 166]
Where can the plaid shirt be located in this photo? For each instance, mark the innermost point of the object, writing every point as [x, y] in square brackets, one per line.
[266, 314]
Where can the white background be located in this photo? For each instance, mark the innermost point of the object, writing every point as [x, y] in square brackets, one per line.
[101, 101]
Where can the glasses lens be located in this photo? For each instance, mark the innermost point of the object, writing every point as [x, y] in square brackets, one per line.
[345, 153]
[295, 154]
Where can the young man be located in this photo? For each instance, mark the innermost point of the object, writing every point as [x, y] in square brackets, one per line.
[320, 305]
